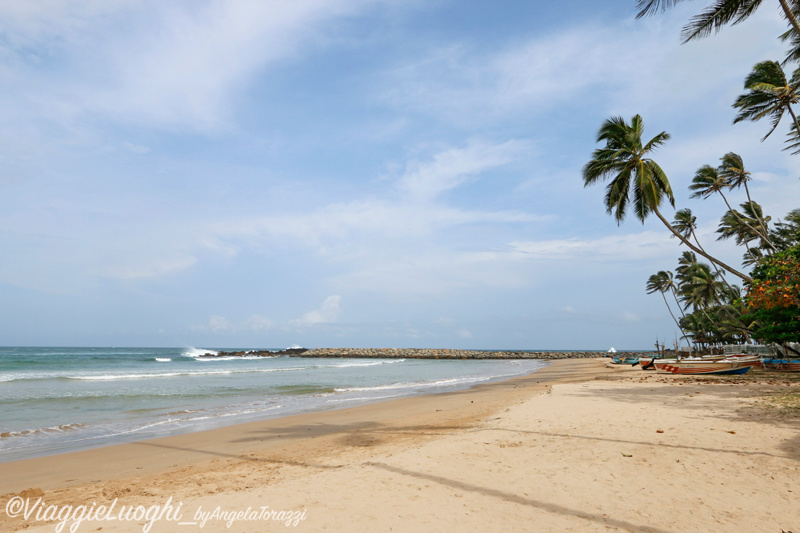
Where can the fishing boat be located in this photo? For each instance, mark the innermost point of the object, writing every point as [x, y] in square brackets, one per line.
[782, 365]
[625, 359]
[647, 362]
[740, 365]
[734, 357]
[620, 359]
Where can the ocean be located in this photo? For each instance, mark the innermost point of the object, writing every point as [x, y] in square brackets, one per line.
[54, 400]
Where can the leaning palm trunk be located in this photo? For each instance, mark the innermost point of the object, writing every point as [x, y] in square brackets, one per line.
[761, 234]
[794, 118]
[676, 320]
[750, 201]
[720, 273]
[698, 250]
[787, 10]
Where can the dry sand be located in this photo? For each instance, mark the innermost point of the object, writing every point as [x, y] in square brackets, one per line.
[577, 446]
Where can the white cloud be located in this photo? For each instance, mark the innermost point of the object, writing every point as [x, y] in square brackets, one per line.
[644, 245]
[148, 266]
[170, 64]
[450, 168]
[627, 316]
[218, 323]
[326, 314]
[136, 148]
[543, 72]
[371, 224]
[52, 23]
[259, 323]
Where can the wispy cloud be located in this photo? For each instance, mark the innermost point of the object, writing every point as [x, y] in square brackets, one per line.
[327, 313]
[543, 72]
[450, 168]
[627, 247]
[162, 64]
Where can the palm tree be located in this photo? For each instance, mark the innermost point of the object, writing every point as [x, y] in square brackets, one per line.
[624, 159]
[730, 225]
[686, 262]
[718, 14]
[701, 290]
[752, 257]
[754, 216]
[704, 288]
[685, 223]
[742, 227]
[732, 169]
[787, 232]
[709, 180]
[769, 94]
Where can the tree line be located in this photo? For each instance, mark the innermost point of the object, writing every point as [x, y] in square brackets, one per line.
[712, 309]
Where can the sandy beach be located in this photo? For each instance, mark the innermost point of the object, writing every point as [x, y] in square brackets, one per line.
[577, 446]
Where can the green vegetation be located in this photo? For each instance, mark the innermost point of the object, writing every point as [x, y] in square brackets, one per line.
[773, 297]
[713, 311]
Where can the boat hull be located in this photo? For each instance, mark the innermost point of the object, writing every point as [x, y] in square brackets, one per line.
[647, 363]
[783, 365]
[702, 367]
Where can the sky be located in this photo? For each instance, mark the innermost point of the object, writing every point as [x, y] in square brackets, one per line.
[365, 173]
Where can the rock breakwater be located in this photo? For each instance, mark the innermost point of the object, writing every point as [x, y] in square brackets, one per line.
[423, 353]
[256, 353]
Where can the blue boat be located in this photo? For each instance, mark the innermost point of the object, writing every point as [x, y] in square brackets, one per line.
[785, 365]
[625, 359]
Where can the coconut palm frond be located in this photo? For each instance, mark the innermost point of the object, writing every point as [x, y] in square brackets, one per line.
[650, 7]
[717, 15]
[770, 94]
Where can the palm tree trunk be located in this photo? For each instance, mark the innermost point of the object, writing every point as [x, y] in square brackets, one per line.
[695, 249]
[750, 201]
[720, 273]
[790, 15]
[675, 295]
[675, 319]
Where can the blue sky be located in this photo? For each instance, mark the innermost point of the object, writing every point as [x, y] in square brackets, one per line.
[353, 172]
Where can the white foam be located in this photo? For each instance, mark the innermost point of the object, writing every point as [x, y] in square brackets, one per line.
[115, 377]
[163, 359]
[196, 352]
[234, 358]
[371, 363]
[416, 384]
[359, 399]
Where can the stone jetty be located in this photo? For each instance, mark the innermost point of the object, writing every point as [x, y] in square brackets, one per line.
[424, 353]
[413, 353]
[256, 353]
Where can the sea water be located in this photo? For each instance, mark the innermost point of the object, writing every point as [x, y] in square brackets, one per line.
[54, 400]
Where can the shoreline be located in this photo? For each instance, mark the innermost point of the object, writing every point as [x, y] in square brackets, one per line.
[260, 403]
[143, 457]
[580, 445]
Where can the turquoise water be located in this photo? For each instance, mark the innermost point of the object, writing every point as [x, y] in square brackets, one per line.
[54, 400]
